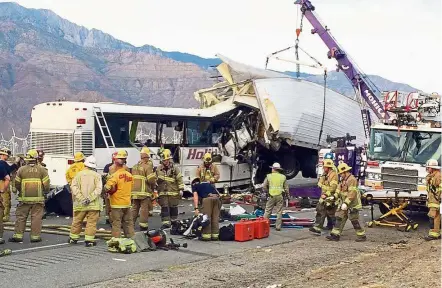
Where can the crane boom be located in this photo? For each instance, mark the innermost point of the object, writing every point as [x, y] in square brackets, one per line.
[356, 77]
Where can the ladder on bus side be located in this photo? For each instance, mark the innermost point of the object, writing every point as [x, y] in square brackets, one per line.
[105, 132]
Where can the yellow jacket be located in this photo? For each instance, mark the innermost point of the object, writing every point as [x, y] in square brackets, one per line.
[434, 189]
[144, 180]
[87, 184]
[121, 182]
[73, 170]
[208, 175]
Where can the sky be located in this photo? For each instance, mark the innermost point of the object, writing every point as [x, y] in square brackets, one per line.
[400, 40]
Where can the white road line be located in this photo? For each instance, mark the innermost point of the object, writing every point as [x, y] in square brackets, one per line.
[42, 247]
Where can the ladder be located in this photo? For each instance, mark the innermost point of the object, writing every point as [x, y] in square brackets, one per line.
[105, 132]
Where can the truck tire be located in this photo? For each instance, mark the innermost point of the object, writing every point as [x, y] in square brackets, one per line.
[309, 166]
[291, 165]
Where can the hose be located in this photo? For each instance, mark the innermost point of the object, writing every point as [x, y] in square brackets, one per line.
[98, 235]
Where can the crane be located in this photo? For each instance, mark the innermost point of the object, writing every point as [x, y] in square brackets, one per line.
[359, 80]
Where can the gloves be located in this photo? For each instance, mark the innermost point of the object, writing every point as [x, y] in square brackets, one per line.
[86, 202]
[331, 198]
[323, 196]
[344, 207]
[197, 212]
[321, 200]
[212, 180]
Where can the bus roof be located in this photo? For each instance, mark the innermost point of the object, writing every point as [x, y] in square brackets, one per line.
[121, 108]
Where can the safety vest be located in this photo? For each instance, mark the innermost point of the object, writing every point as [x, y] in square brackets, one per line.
[349, 193]
[73, 170]
[144, 180]
[170, 181]
[276, 183]
[123, 181]
[87, 184]
[32, 181]
[434, 189]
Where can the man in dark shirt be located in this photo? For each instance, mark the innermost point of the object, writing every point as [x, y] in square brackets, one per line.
[211, 205]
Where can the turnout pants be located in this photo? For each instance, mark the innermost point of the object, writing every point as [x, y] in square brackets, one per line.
[141, 207]
[278, 203]
[169, 208]
[341, 218]
[434, 215]
[91, 225]
[107, 207]
[23, 210]
[122, 217]
[1, 220]
[323, 211]
[6, 199]
[211, 207]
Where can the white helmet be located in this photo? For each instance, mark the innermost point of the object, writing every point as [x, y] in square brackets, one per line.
[432, 163]
[276, 166]
[90, 162]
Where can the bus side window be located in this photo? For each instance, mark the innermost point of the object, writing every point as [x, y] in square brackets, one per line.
[199, 133]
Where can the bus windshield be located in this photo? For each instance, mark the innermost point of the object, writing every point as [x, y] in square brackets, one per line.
[404, 146]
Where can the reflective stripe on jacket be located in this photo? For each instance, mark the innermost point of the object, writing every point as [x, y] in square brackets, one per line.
[434, 189]
[329, 183]
[122, 181]
[349, 193]
[276, 183]
[170, 181]
[144, 180]
[208, 175]
[73, 170]
[87, 184]
[32, 181]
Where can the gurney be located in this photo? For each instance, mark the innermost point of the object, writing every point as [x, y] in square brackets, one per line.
[287, 220]
[395, 216]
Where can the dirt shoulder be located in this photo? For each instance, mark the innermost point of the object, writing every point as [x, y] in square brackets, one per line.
[388, 259]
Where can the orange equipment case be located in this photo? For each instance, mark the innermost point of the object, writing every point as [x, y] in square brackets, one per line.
[262, 228]
[244, 230]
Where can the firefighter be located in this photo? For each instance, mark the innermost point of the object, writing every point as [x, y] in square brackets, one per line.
[76, 167]
[326, 207]
[4, 188]
[86, 191]
[208, 172]
[32, 182]
[275, 184]
[144, 185]
[170, 188]
[434, 189]
[119, 187]
[349, 205]
[105, 196]
[206, 196]
[5, 153]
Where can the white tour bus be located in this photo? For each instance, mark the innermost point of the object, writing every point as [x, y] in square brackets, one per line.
[62, 128]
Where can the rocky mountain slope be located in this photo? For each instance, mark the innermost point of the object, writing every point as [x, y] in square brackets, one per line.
[44, 57]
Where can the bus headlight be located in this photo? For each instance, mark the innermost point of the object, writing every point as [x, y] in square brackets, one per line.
[377, 176]
[422, 181]
[370, 176]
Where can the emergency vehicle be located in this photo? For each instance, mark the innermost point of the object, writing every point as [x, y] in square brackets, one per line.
[61, 129]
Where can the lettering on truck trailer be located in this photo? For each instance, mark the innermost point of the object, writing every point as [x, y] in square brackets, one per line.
[374, 102]
[196, 154]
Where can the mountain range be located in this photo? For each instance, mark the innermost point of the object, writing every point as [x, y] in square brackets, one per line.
[44, 57]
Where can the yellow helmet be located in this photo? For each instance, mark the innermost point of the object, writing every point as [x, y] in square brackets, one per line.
[328, 163]
[343, 167]
[207, 157]
[31, 155]
[145, 150]
[78, 156]
[121, 154]
[166, 155]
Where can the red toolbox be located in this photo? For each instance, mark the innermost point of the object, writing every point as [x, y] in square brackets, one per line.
[262, 228]
[244, 230]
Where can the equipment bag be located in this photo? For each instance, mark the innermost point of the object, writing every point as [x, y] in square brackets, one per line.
[122, 245]
[227, 233]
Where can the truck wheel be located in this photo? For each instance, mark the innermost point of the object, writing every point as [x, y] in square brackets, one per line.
[309, 166]
[291, 165]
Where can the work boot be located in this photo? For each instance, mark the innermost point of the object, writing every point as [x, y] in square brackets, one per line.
[2, 241]
[315, 231]
[333, 237]
[15, 240]
[6, 219]
[144, 228]
[165, 226]
[278, 229]
[72, 241]
[328, 228]
[36, 240]
[90, 243]
[431, 238]
[361, 238]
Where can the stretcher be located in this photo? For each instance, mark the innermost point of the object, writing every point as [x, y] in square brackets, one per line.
[287, 220]
[395, 216]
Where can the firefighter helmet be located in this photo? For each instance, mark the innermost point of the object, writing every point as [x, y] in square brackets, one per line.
[432, 163]
[31, 155]
[328, 163]
[78, 156]
[122, 154]
[207, 158]
[145, 150]
[166, 155]
[5, 151]
[343, 167]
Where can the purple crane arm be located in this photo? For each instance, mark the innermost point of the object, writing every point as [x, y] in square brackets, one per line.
[356, 78]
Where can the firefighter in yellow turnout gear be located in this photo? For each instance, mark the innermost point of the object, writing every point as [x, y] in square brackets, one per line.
[275, 184]
[75, 168]
[4, 188]
[119, 187]
[208, 172]
[170, 187]
[349, 205]
[326, 207]
[86, 191]
[32, 182]
[142, 190]
[434, 189]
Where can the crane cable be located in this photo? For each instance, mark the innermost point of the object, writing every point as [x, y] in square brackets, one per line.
[298, 32]
[323, 108]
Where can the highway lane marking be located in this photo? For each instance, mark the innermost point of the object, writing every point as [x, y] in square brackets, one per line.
[42, 247]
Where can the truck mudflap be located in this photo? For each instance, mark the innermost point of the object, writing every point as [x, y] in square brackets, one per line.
[59, 201]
